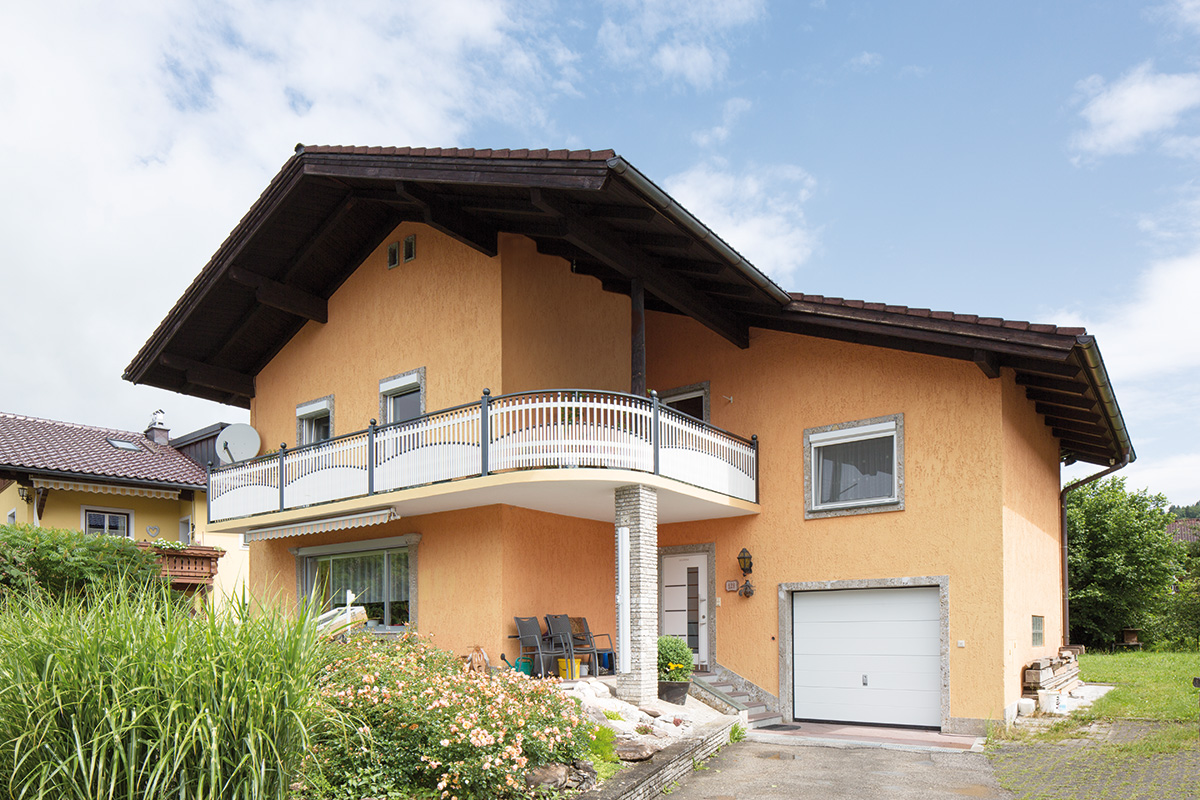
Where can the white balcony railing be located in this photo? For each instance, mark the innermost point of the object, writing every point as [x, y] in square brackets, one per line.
[528, 430]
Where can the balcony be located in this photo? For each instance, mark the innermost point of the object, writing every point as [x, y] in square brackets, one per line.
[188, 568]
[527, 431]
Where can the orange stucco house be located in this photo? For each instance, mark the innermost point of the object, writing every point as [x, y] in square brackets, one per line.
[514, 383]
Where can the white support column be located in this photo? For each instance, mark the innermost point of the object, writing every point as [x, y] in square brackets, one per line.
[637, 593]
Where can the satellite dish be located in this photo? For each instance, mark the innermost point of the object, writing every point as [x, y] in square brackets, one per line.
[237, 443]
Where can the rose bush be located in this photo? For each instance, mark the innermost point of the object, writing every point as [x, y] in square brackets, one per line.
[425, 724]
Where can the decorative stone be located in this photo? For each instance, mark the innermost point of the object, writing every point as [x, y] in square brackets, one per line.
[635, 751]
[552, 776]
[652, 712]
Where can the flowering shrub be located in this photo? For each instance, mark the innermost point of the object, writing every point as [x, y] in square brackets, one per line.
[427, 724]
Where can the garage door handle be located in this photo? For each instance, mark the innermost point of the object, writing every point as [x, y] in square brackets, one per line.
[864, 680]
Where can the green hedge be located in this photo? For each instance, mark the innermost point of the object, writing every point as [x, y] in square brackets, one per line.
[65, 562]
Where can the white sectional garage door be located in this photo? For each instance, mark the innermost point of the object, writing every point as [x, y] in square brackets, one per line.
[868, 655]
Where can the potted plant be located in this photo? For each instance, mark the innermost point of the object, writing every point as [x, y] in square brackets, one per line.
[674, 669]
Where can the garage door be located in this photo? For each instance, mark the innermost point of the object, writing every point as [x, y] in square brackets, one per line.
[868, 655]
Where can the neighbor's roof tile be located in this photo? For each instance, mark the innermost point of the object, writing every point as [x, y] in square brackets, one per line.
[43, 444]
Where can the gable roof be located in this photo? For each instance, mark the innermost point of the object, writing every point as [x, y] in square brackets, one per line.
[330, 207]
[38, 446]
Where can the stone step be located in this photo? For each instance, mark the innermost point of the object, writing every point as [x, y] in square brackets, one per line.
[764, 718]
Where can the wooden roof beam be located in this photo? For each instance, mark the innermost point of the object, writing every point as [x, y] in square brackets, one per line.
[988, 362]
[1052, 384]
[209, 376]
[282, 296]
[1061, 412]
[452, 220]
[1057, 399]
[607, 247]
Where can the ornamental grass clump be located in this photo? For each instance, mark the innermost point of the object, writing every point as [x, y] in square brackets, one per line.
[123, 694]
[427, 725]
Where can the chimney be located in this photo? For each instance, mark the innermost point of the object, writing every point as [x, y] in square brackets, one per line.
[157, 431]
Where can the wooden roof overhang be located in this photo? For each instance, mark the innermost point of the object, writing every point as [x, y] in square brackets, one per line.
[1060, 369]
[330, 207]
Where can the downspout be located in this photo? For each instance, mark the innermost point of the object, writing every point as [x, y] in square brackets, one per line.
[1062, 504]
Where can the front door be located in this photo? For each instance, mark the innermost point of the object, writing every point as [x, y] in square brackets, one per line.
[684, 602]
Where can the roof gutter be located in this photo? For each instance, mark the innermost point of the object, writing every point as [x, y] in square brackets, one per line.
[671, 209]
[106, 480]
[1093, 366]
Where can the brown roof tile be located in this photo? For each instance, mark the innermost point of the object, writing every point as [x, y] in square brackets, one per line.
[543, 154]
[972, 319]
[47, 445]
[1184, 530]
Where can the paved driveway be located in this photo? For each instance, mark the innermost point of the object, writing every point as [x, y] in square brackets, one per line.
[752, 770]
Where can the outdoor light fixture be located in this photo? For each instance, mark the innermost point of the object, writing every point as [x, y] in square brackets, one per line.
[747, 566]
[23, 493]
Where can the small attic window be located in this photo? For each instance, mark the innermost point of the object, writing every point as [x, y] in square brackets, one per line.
[123, 445]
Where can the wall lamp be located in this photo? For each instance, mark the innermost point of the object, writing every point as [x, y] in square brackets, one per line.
[747, 566]
[24, 494]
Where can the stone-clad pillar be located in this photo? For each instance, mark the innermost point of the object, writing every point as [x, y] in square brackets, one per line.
[637, 510]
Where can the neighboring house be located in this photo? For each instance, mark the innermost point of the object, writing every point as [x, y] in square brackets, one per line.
[453, 350]
[1184, 530]
[140, 486]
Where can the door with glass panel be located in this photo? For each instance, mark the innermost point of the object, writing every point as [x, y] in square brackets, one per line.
[377, 580]
[683, 602]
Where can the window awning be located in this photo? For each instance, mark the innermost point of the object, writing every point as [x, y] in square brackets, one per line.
[360, 520]
[105, 488]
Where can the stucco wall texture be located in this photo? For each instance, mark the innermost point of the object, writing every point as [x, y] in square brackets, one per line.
[980, 470]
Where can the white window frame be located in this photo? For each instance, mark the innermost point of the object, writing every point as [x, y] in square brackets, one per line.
[128, 512]
[12, 517]
[1037, 628]
[185, 523]
[876, 428]
[404, 383]
[306, 558]
[313, 410]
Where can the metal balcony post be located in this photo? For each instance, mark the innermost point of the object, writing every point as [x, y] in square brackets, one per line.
[754, 444]
[484, 403]
[654, 422]
[371, 458]
[208, 495]
[282, 453]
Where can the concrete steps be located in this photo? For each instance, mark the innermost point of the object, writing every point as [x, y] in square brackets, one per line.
[757, 713]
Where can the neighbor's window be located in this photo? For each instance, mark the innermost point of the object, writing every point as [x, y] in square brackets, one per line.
[12, 517]
[314, 421]
[107, 523]
[377, 580]
[1039, 631]
[854, 467]
[691, 400]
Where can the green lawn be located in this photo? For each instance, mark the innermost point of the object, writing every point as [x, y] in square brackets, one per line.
[1151, 686]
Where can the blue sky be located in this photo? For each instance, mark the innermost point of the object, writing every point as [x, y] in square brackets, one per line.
[1033, 161]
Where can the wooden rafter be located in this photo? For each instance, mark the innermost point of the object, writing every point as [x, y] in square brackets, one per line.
[282, 296]
[607, 247]
[451, 220]
[209, 376]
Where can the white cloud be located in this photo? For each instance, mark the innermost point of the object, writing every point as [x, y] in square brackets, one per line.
[732, 110]
[1148, 343]
[758, 211]
[1139, 106]
[1176, 228]
[674, 40]
[144, 130]
[865, 62]
[1186, 12]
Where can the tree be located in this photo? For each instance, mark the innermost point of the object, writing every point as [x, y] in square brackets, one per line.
[1186, 512]
[1122, 562]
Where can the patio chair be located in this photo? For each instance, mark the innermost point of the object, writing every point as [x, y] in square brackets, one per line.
[537, 647]
[581, 634]
[559, 626]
